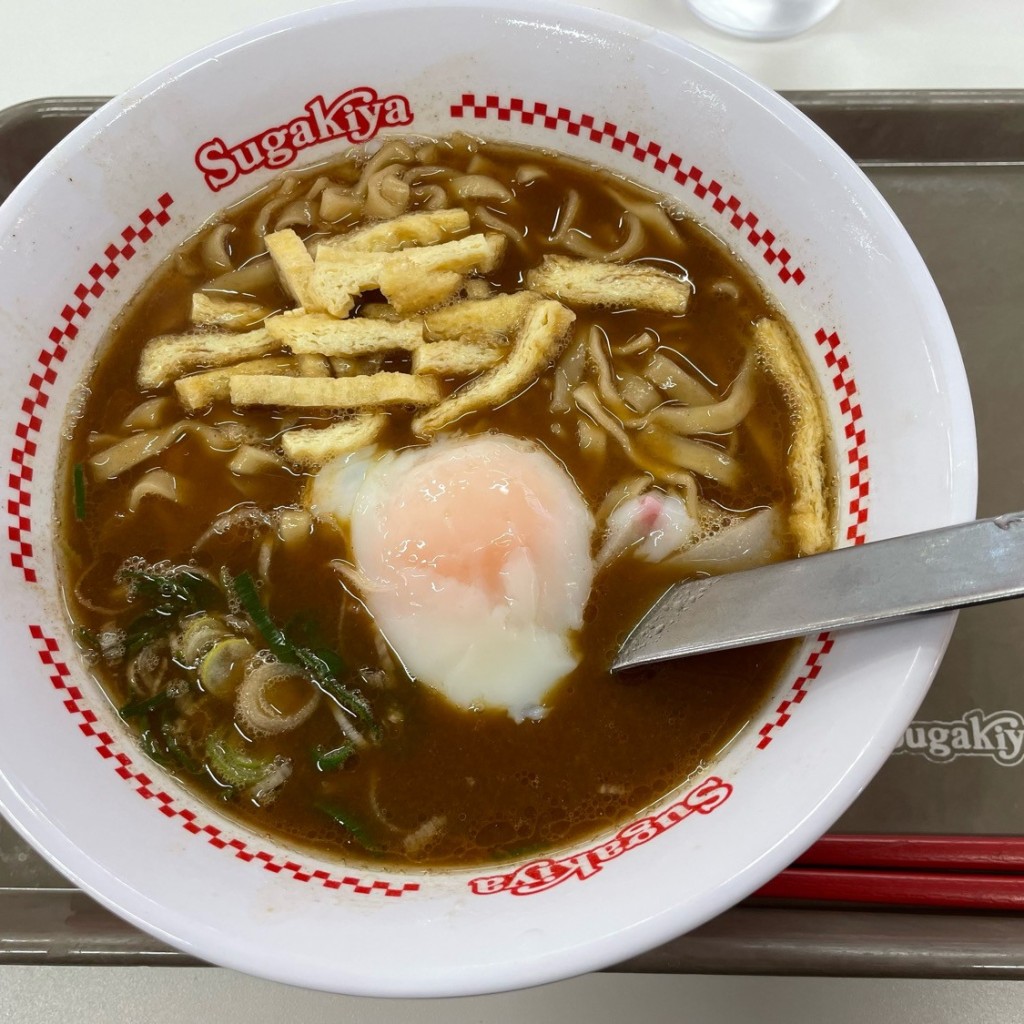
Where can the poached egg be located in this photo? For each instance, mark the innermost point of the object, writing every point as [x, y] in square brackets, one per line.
[474, 558]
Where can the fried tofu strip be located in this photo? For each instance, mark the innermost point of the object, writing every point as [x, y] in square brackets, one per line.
[294, 266]
[236, 314]
[326, 335]
[490, 320]
[172, 355]
[339, 275]
[339, 279]
[312, 447]
[540, 339]
[592, 283]
[200, 389]
[416, 279]
[363, 392]
[456, 357]
[427, 228]
[482, 252]
[409, 291]
[809, 519]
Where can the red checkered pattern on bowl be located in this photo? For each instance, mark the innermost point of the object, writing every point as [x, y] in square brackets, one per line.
[858, 491]
[66, 329]
[621, 140]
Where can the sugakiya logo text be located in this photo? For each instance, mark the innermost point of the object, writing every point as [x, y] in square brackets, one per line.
[356, 116]
[999, 735]
[541, 875]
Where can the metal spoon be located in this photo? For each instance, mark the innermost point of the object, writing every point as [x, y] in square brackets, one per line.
[972, 563]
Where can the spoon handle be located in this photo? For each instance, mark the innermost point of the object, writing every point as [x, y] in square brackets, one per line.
[971, 563]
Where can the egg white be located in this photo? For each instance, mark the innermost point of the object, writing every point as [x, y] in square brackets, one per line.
[475, 560]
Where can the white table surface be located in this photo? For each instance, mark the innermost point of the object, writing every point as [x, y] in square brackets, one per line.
[100, 47]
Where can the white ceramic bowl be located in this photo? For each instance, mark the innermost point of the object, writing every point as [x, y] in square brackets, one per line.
[86, 229]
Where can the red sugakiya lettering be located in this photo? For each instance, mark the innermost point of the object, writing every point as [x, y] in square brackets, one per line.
[355, 116]
[543, 874]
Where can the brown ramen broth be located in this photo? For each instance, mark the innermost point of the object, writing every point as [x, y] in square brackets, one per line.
[193, 563]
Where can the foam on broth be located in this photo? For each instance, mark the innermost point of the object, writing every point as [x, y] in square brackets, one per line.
[443, 785]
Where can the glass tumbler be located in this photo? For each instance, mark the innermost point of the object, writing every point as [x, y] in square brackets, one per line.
[762, 19]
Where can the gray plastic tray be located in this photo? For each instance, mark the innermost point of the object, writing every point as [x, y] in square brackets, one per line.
[952, 166]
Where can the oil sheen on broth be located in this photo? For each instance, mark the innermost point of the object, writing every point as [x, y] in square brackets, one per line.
[220, 602]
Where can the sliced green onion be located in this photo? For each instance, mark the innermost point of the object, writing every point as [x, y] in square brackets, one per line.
[78, 477]
[323, 665]
[351, 701]
[161, 743]
[235, 767]
[331, 660]
[245, 591]
[149, 626]
[169, 597]
[198, 634]
[330, 760]
[87, 638]
[136, 708]
[151, 746]
[174, 746]
[351, 825]
[183, 588]
[223, 666]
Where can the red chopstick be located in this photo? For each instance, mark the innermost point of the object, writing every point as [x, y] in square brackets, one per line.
[918, 852]
[899, 888]
[947, 871]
